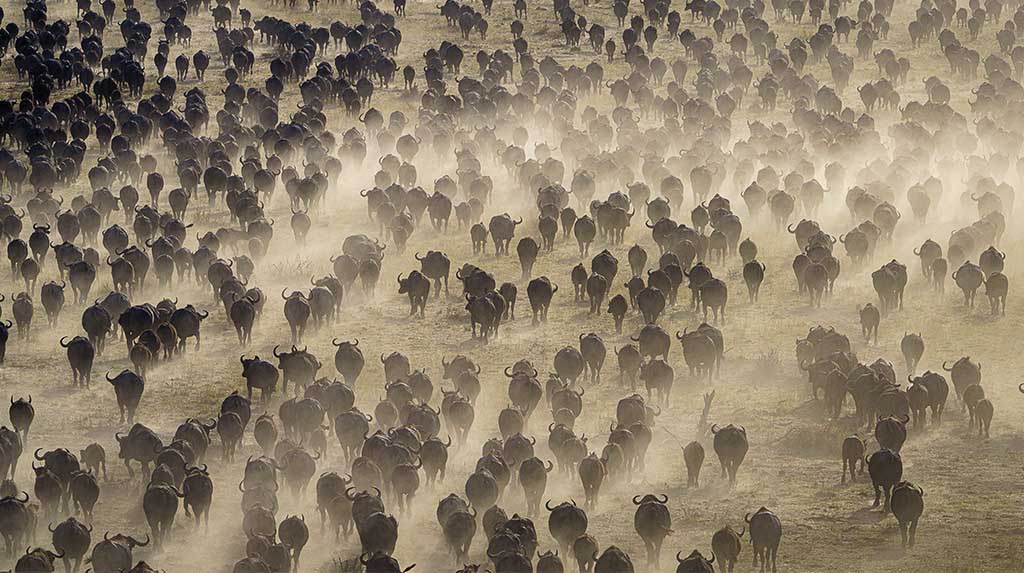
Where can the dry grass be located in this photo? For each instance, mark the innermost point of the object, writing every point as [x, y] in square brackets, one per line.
[343, 566]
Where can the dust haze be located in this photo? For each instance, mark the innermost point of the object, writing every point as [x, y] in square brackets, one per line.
[933, 156]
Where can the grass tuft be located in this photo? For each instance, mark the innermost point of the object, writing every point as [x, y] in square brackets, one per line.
[344, 566]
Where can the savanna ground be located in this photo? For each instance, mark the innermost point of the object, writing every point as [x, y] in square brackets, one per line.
[971, 521]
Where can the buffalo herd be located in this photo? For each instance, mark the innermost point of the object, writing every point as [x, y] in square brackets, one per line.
[644, 158]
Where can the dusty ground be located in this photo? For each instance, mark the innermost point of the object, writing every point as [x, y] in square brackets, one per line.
[971, 521]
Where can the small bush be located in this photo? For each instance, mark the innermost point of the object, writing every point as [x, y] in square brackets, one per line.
[769, 364]
[339, 565]
[292, 267]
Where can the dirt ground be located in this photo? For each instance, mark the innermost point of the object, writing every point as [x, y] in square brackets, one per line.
[971, 520]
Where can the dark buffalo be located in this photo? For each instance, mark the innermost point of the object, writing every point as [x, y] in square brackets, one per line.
[540, 292]
[653, 523]
[693, 455]
[696, 563]
[81, 352]
[886, 470]
[765, 535]
[726, 545]
[566, 522]
[907, 506]
[259, 374]
[128, 389]
[731, 447]
[114, 553]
